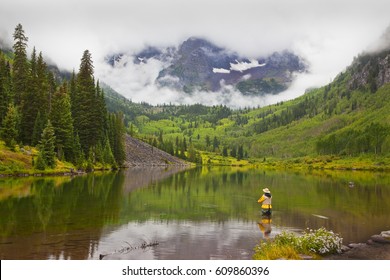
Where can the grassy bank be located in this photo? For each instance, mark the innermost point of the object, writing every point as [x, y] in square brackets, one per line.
[364, 162]
[19, 162]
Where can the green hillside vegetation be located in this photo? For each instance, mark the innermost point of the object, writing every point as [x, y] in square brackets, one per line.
[344, 124]
[48, 126]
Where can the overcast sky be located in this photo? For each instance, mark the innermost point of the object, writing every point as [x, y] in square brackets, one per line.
[328, 33]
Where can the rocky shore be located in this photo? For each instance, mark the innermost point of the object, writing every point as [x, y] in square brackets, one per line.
[376, 248]
[139, 153]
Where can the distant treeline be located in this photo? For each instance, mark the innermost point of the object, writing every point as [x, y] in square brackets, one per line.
[355, 142]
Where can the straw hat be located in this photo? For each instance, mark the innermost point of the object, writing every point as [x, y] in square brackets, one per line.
[266, 190]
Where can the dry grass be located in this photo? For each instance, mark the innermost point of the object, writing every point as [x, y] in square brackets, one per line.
[13, 161]
[271, 251]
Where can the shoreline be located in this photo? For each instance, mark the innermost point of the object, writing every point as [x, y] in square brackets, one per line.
[32, 173]
[81, 172]
[376, 248]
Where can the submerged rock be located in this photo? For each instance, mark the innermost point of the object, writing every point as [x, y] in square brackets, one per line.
[356, 245]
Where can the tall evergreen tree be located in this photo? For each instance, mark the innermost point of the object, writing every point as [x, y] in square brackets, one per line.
[108, 156]
[62, 123]
[5, 86]
[240, 152]
[99, 114]
[78, 154]
[47, 145]
[85, 98]
[52, 86]
[9, 131]
[116, 136]
[43, 95]
[73, 96]
[20, 66]
[39, 125]
[29, 105]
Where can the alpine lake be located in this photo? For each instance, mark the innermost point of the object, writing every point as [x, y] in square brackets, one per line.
[175, 213]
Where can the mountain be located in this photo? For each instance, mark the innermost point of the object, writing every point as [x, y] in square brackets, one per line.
[344, 124]
[198, 64]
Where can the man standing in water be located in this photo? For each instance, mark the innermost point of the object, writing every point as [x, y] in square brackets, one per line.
[265, 199]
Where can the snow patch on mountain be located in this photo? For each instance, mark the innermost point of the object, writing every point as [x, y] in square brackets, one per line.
[221, 71]
[243, 66]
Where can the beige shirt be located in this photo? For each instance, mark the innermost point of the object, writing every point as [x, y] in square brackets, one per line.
[267, 201]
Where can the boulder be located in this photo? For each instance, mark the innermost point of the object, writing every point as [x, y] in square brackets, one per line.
[380, 239]
[386, 234]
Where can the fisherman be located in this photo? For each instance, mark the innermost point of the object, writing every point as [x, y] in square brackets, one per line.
[265, 199]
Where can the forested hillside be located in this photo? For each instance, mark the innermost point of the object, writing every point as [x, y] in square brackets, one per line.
[348, 118]
[49, 120]
[46, 118]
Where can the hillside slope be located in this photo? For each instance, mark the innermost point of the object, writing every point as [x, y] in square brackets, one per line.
[139, 153]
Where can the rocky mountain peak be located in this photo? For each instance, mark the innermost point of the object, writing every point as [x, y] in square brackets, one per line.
[372, 68]
[198, 64]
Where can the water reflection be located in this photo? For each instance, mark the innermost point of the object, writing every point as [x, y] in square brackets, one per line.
[58, 218]
[201, 213]
[183, 240]
[265, 226]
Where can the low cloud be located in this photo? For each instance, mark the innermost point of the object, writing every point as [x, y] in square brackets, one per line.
[137, 82]
[327, 33]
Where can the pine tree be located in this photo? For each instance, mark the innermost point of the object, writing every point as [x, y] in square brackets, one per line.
[78, 154]
[116, 136]
[100, 114]
[9, 131]
[215, 143]
[62, 123]
[40, 163]
[52, 85]
[192, 154]
[20, 66]
[47, 145]
[240, 152]
[5, 86]
[99, 153]
[43, 95]
[39, 125]
[86, 100]
[225, 152]
[29, 105]
[91, 159]
[108, 156]
[233, 152]
[208, 141]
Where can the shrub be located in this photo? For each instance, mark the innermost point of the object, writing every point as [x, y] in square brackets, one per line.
[320, 241]
[287, 245]
[40, 163]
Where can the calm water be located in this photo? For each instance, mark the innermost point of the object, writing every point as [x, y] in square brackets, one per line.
[205, 213]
